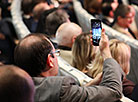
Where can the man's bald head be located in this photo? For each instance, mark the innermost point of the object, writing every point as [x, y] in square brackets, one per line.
[15, 85]
[66, 33]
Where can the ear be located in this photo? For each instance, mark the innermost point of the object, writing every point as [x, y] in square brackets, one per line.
[111, 14]
[119, 18]
[50, 61]
[73, 38]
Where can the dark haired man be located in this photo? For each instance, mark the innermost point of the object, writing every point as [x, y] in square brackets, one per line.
[108, 9]
[15, 85]
[124, 16]
[36, 54]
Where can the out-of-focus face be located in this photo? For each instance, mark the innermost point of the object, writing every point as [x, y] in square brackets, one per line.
[127, 20]
[114, 5]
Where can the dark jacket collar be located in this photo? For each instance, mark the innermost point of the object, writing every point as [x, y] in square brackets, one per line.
[64, 47]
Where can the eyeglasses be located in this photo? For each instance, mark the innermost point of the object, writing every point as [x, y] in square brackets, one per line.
[56, 52]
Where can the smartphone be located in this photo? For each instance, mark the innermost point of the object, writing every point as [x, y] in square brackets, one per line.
[96, 27]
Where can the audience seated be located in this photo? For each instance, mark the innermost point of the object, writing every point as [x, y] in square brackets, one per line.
[15, 85]
[121, 53]
[40, 62]
[124, 16]
[83, 52]
[65, 36]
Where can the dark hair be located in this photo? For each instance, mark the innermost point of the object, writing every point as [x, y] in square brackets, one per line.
[32, 57]
[41, 23]
[107, 1]
[28, 5]
[106, 8]
[92, 5]
[54, 20]
[122, 10]
[15, 86]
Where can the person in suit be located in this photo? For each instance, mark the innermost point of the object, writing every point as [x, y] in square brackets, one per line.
[36, 54]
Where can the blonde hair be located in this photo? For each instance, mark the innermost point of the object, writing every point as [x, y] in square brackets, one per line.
[82, 51]
[119, 51]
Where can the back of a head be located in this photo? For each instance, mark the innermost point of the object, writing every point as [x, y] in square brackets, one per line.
[121, 53]
[93, 6]
[39, 9]
[35, 2]
[54, 20]
[122, 10]
[106, 8]
[15, 85]
[31, 53]
[66, 32]
[82, 51]
[42, 23]
[27, 4]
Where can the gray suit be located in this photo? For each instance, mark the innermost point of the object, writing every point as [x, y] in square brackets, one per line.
[64, 89]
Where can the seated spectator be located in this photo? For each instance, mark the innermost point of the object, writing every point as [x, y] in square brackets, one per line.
[15, 85]
[124, 16]
[65, 36]
[37, 11]
[42, 20]
[52, 21]
[121, 53]
[32, 15]
[108, 9]
[83, 52]
[93, 7]
[40, 61]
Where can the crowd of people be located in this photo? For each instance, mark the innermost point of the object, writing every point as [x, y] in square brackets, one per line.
[29, 69]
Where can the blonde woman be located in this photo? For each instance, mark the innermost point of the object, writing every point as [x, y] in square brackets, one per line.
[121, 52]
[83, 52]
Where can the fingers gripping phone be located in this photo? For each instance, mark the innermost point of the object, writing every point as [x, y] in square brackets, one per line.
[96, 27]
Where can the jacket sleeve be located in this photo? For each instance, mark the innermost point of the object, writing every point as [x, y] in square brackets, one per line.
[109, 90]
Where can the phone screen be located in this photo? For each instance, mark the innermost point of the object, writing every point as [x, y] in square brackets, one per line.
[96, 31]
